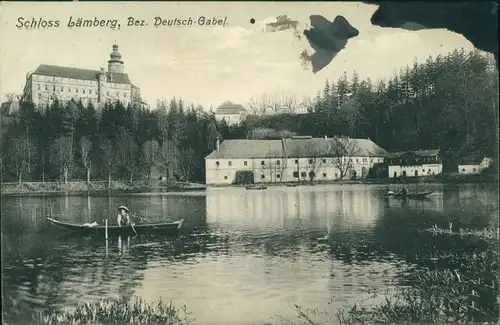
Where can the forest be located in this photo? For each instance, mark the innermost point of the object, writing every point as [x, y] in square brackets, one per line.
[447, 102]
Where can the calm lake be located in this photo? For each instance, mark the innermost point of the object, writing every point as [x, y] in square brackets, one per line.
[244, 257]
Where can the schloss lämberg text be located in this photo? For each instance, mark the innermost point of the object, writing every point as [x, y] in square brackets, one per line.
[36, 23]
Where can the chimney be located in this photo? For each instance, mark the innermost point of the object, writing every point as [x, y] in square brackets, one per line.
[217, 144]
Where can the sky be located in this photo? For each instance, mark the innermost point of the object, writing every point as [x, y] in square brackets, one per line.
[207, 65]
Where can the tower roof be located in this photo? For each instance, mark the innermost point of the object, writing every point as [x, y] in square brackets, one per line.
[115, 55]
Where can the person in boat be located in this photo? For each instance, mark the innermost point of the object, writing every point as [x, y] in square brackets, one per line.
[123, 218]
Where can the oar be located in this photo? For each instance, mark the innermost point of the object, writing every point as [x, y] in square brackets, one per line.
[132, 225]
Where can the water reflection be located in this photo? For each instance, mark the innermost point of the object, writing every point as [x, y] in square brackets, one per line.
[241, 250]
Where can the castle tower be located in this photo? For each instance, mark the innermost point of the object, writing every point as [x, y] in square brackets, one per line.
[102, 85]
[115, 63]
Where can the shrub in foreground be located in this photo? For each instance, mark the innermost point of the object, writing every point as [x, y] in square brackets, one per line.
[465, 294]
[116, 312]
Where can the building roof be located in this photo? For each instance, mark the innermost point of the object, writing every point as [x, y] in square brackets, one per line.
[470, 161]
[77, 73]
[229, 108]
[421, 153]
[293, 148]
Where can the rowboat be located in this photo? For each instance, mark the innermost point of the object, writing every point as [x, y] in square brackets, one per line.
[90, 229]
[418, 195]
[256, 187]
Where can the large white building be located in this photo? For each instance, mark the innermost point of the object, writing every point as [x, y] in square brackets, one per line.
[231, 113]
[414, 163]
[49, 82]
[291, 159]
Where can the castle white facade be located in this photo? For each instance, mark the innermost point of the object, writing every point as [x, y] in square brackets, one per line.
[49, 82]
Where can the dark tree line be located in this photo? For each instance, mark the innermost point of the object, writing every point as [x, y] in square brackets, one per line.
[65, 142]
[449, 102]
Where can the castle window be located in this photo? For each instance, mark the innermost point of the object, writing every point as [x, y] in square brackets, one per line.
[62, 88]
[83, 91]
[90, 91]
[324, 174]
[296, 161]
[324, 161]
[278, 176]
[229, 163]
[245, 163]
[262, 163]
[45, 87]
[277, 162]
[53, 88]
[76, 89]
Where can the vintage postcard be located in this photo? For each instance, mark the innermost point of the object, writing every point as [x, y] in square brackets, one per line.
[219, 163]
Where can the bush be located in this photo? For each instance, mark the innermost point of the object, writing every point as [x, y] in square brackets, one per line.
[443, 295]
[114, 312]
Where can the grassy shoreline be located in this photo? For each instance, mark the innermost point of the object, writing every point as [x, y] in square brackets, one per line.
[437, 295]
[78, 188]
[95, 188]
[107, 312]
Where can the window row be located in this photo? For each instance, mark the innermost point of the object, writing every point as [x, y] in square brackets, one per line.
[296, 175]
[84, 91]
[311, 161]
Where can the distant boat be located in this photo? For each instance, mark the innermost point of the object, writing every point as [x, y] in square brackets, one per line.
[256, 187]
[417, 195]
[93, 229]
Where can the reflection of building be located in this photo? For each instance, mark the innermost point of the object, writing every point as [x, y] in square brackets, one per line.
[466, 166]
[334, 207]
[291, 159]
[49, 82]
[414, 163]
[231, 113]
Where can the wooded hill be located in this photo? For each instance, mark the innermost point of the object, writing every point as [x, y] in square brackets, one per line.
[449, 102]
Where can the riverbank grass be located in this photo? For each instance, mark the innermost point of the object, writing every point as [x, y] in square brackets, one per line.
[440, 296]
[116, 312]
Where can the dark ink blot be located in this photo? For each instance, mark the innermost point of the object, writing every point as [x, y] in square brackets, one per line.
[252, 21]
[477, 21]
[282, 23]
[327, 39]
